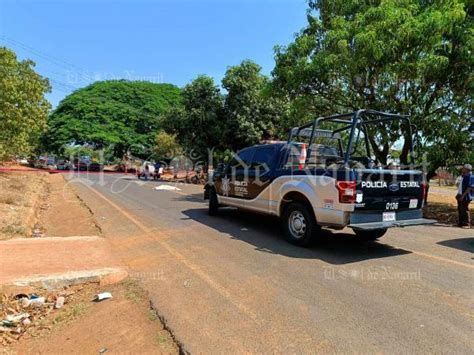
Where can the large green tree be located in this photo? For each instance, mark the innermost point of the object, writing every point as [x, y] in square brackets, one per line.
[407, 56]
[198, 123]
[23, 106]
[121, 113]
[251, 114]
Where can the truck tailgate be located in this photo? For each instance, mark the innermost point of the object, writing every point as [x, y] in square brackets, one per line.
[389, 190]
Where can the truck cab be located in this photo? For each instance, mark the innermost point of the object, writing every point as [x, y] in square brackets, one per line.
[321, 178]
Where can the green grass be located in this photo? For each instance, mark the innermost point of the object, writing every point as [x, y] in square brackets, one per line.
[14, 229]
[71, 313]
[153, 316]
[162, 339]
[133, 291]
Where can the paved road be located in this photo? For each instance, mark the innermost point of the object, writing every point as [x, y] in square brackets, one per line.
[232, 284]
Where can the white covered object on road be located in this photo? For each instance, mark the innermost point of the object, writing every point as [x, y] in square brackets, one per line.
[167, 188]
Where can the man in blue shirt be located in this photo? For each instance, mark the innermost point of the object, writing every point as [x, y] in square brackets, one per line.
[464, 196]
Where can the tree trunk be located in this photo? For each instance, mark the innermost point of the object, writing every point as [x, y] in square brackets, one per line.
[380, 155]
[405, 151]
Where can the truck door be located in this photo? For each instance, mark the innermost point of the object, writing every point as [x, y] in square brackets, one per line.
[234, 180]
[260, 173]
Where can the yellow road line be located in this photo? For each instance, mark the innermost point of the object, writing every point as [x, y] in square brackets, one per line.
[193, 267]
[439, 258]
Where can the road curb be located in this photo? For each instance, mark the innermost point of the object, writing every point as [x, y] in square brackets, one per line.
[105, 276]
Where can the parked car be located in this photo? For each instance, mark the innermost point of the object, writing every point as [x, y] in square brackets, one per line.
[51, 164]
[93, 166]
[64, 165]
[22, 161]
[81, 164]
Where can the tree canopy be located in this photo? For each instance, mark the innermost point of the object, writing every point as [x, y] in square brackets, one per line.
[199, 122]
[117, 112]
[166, 145]
[23, 106]
[411, 57]
[251, 114]
[209, 119]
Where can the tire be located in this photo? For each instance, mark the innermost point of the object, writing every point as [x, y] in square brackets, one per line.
[299, 224]
[371, 234]
[213, 203]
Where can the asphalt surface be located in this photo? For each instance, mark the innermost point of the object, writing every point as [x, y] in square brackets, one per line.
[230, 283]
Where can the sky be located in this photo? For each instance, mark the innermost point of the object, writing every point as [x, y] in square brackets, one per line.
[75, 43]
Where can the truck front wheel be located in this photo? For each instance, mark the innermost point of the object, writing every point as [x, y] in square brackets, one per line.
[371, 234]
[299, 224]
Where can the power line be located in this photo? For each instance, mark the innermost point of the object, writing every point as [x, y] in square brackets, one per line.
[58, 84]
[50, 58]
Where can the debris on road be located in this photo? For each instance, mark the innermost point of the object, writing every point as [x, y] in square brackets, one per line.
[167, 188]
[102, 296]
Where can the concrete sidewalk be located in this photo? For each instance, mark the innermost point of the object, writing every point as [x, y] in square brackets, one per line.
[56, 261]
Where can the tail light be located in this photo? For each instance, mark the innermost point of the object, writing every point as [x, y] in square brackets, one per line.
[423, 190]
[347, 191]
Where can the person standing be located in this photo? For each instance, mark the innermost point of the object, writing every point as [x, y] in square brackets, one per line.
[157, 173]
[147, 171]
[464, 196]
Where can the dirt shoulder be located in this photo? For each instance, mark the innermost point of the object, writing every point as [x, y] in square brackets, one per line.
[122, 324]
[63, 213]
[46, 207]
[20, 196]
[42, 204]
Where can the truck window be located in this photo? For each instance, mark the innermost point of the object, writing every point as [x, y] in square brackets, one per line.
[324, 152]
[243, 159]
[293, 156]
[264, 157]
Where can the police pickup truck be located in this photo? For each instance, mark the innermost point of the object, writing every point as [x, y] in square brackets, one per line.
[324, 177]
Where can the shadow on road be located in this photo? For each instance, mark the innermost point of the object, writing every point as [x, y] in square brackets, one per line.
[466, 244]
[263, 232]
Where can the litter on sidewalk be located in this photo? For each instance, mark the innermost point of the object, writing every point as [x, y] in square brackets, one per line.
[102, 296]
[20, 312]
[59, 302]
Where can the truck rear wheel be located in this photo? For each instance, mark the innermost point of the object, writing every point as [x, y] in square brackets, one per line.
[370, 234]
[299, 224]
[213, 203]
